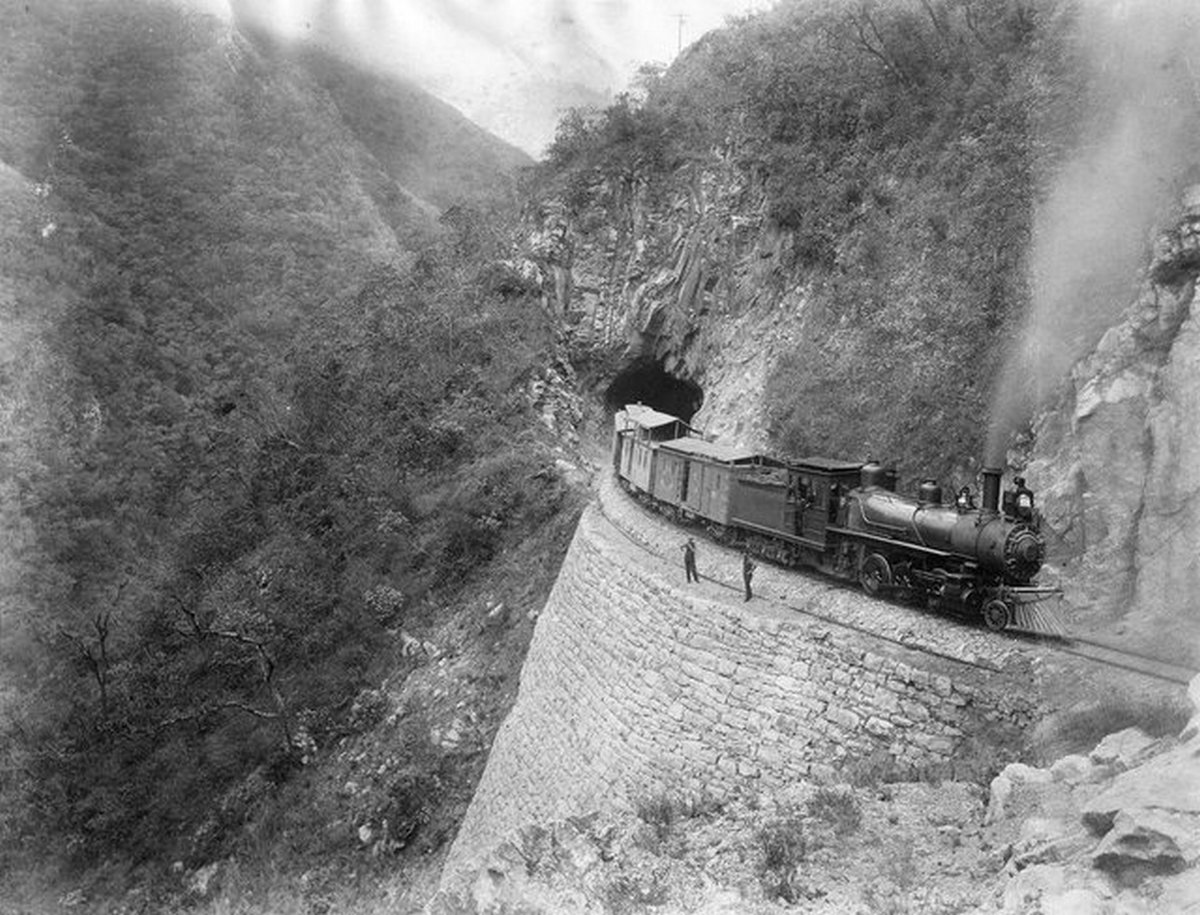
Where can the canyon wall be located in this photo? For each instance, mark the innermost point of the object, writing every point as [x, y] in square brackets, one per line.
[1117, 459]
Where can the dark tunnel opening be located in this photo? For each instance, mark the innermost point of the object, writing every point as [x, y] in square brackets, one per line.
[647, 383]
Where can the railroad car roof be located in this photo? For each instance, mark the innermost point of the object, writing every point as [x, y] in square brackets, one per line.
[648, 417]
[730, 454]
[828, 465]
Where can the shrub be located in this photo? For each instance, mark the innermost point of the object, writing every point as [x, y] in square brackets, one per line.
[875, 769]
[663, 810]
[785, 848]
[839, 809]
[659, 812]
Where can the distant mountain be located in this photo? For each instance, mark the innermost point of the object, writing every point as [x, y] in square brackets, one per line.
[425, 145]
[288, 169]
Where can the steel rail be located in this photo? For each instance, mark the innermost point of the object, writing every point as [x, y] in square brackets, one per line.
[1176, 675]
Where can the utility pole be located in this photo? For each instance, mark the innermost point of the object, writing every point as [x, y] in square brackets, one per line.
[681, 19]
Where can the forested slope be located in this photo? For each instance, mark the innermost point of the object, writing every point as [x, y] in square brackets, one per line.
[256, 404]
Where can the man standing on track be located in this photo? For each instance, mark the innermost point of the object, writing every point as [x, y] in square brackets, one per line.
[689, 560]
[747, 570]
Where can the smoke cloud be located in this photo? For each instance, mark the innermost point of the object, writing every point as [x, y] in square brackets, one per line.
[1138, 148]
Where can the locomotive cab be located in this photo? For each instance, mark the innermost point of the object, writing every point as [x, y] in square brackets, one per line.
[817, 489]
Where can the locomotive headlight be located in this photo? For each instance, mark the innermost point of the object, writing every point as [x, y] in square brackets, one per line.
[1024, 551]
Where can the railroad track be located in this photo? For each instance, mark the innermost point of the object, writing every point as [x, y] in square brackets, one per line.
[1084, 648]
[1124, 659]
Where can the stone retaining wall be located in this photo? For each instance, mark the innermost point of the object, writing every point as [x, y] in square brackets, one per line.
[637, 684]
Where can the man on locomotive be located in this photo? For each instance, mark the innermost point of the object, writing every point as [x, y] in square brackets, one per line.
[965, 501]
[1023, 500]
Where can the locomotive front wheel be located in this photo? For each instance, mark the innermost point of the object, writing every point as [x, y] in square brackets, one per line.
[996, 615]
[875, 574]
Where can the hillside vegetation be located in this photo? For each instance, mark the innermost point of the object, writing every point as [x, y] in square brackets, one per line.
[267, 394]
[260, 409]
[896, 151]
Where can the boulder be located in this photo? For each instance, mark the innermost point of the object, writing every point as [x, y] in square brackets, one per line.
[1046, 841]
[1004, 785]
[1144, 842]
[1169, 782]
[1073, 769]
[1026, 890]
[1122, 750]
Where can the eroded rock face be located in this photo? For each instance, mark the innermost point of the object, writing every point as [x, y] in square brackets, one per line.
[1118, 830]
[1118, 466]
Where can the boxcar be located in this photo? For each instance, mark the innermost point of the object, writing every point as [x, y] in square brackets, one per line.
[637, 431]
[698, 476]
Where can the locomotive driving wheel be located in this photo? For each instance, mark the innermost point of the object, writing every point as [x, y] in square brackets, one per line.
[996, 614]
[875, 575]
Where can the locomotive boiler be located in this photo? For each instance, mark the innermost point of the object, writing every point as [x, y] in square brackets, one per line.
[983, 558]
[845, 518]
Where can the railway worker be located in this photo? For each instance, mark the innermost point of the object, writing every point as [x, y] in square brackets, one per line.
[965, 500]
[1024, 499]
[748, 567]
[689, 560]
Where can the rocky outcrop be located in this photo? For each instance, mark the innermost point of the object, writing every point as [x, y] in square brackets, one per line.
[1112, 832]
[1118, 465]
[1115, 831]
[694, 281]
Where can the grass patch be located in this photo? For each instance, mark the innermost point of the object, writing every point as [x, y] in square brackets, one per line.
[838, 809]
[664, 810]
[1079, 729]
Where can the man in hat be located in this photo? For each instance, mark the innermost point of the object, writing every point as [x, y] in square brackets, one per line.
[689, 560]
[748, 567]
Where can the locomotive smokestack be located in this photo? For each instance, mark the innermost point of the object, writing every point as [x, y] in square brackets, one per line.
[991, 488]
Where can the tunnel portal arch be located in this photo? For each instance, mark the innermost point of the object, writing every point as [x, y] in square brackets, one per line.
[647, 382]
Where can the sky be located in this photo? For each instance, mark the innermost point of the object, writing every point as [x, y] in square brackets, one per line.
[512, 66]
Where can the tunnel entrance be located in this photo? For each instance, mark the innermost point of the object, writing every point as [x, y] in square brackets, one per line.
[647, 383]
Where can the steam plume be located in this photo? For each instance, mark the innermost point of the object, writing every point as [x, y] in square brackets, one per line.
[1091, 231]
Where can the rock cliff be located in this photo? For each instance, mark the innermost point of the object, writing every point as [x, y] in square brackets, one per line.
[703, 287]
[695, 283]
[1118, 463]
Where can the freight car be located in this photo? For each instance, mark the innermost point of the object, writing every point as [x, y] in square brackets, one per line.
[844, 518]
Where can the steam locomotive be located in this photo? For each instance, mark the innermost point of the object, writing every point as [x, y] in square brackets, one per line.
[845, 519]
